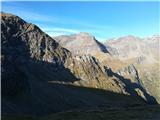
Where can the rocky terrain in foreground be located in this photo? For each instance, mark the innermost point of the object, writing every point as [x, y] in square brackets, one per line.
[40, 77]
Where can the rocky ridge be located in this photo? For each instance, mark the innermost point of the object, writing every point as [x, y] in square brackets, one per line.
[131, 57]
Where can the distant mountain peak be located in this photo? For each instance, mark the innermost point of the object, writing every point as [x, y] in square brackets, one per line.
[84, 34]
[81, 43]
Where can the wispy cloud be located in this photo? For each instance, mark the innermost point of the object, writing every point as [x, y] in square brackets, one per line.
[58, 25]
[36, 17]
[53, 34]
[59, 31]
[28, 15]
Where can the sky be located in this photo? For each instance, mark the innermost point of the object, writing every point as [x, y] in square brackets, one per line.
[104, 20]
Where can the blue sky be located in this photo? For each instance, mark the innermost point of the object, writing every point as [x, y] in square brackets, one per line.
[102, 19]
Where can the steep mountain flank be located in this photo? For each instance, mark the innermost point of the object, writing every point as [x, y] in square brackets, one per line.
[93, 74]
[141, 61]
[147, 76]
[24, 44]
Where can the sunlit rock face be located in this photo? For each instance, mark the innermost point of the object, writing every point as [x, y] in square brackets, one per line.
[144, 55]
[131, 57]
[130, 47]
[82, 43]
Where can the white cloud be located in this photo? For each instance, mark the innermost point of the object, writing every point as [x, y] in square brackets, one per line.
[53, 34]
[52, 24]
[36, 17]
[59, 31]
[28, 15]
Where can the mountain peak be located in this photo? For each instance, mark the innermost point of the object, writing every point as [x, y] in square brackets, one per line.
[84, 34]
[81, 43]
[128, 37]
[7, 14]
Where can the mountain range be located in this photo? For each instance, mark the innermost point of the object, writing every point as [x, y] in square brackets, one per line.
[43, 75]
[132, 57]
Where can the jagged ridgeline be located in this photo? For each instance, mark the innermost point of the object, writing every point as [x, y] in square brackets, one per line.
[41, 77]
[134, 59]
